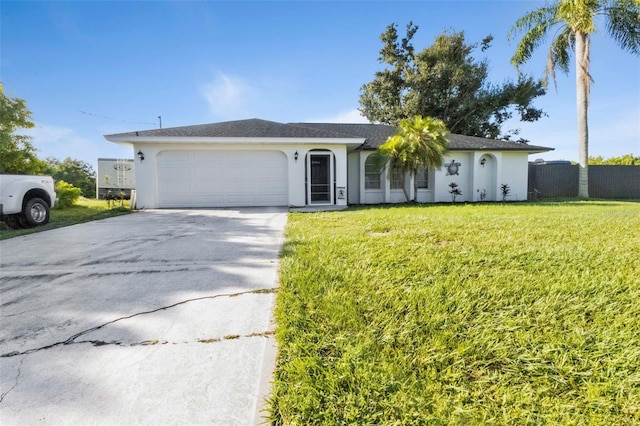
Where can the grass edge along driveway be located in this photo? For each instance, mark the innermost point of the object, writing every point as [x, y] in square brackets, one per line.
[467, 314]
[85, 210]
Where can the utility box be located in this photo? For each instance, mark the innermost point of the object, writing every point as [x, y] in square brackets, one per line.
[116, 178]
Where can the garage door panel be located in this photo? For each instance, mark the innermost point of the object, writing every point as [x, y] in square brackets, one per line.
[206, 178]
[178, 200]
[177, 157]
[173, 172]
[207, 200]
[266, 200]
[241, 199]
[222, 178]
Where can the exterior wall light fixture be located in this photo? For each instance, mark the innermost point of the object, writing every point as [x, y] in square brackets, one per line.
[295, 156]
[483, 161]
[140, 155]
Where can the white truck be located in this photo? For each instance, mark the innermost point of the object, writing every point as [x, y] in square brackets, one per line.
[25, 201]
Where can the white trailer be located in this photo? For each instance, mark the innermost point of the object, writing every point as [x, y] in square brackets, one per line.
[116, 178]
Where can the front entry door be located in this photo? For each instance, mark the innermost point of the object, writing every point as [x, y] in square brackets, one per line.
[320, 178]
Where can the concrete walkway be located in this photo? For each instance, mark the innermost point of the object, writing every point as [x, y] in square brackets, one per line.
[155, 318]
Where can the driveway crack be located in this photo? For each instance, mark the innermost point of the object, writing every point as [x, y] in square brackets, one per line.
[166, 342]
[72, 340]
[237, 336]
[4, 394]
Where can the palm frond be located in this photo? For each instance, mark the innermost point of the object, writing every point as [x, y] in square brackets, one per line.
[559, 56]
[623, 24]
[532, 19]
[418, 142]
[536, 25]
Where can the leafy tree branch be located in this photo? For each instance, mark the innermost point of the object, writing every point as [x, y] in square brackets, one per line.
[446, 82]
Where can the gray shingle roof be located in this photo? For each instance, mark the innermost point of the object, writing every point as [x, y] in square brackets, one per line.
[466, 143]
[377, 134]
[251, 128]
[374, 134]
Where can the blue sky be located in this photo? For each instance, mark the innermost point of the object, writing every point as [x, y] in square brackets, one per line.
[97, 67]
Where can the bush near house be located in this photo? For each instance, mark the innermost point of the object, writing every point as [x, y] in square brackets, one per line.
[466, 314]
[67, 194]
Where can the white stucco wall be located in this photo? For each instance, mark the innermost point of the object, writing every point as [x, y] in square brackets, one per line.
[473, 178]
[487, 167]
[509, 168]
[385, 194]
[515, 173]
[464, 178]
[297, 191]
[147, 178]
[370, 196]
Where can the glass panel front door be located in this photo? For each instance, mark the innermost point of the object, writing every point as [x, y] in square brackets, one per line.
[320, 190]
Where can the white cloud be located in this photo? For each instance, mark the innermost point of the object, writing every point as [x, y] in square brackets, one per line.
[351, 116]
[227, 95]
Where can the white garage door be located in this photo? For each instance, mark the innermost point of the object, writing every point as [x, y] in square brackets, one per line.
[222, 178]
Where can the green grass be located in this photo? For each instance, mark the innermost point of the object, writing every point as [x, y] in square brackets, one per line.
[508, 314]
[85, 210]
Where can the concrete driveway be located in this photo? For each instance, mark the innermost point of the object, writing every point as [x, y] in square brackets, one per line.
[158, 317]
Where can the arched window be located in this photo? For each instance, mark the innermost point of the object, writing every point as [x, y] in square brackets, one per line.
[371, 174]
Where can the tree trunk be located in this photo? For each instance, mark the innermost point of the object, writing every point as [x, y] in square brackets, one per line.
[582, 96]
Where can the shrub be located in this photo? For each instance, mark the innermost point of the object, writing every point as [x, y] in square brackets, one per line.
[504, 188]
[67, 194]
[455, 191]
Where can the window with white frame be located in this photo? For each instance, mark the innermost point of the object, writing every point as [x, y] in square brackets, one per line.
[422, 178]
[371, 174]
[397, 176]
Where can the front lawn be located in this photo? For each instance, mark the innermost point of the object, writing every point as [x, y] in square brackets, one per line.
[460, 314]
[86, 210]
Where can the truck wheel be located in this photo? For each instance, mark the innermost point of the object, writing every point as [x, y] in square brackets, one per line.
[36, 212]
[14, 221]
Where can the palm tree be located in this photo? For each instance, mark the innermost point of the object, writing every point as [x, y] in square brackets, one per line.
[576, 20]
[418, 143]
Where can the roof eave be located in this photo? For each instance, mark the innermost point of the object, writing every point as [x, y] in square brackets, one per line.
[537, 150]
[531, 150]
[131, 139]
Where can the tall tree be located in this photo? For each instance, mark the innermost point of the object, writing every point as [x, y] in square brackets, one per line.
[418, 143]
[445, 81]
[75, 172]
[17, 154]
[573, 22]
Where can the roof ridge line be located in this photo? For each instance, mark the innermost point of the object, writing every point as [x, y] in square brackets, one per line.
[344, 135]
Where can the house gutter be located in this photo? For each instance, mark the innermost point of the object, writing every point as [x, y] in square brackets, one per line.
[129, 140]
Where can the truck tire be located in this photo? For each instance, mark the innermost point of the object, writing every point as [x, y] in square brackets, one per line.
[36, 212]
[14, 221]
